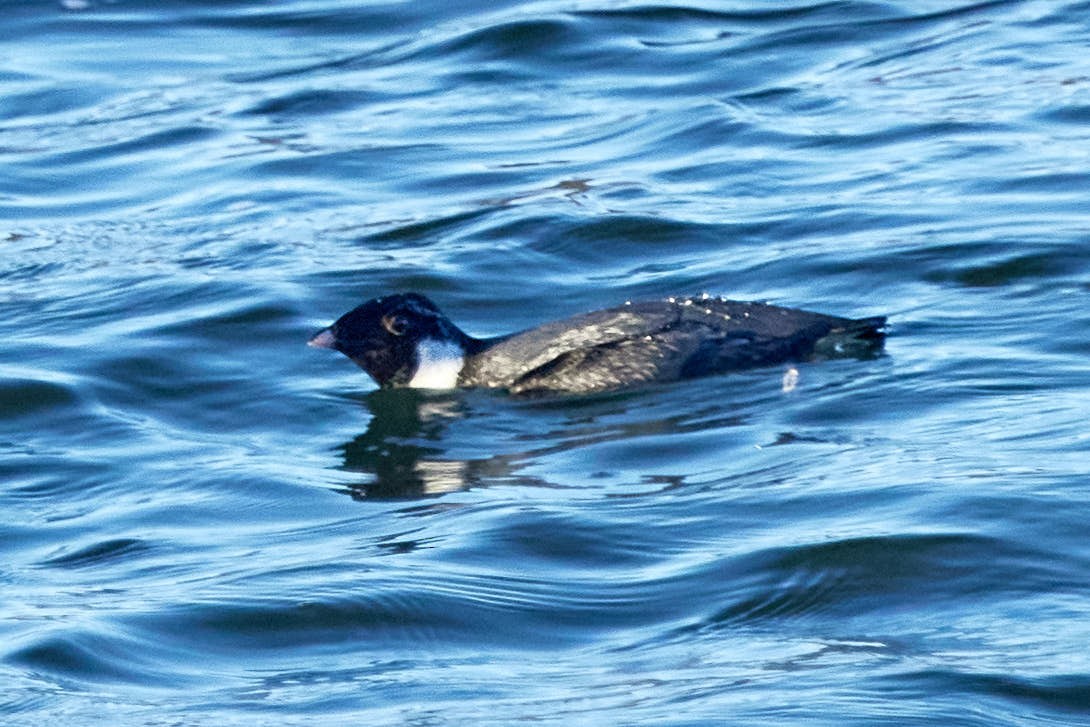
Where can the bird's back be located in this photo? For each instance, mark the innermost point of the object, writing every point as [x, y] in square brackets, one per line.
[661, 341]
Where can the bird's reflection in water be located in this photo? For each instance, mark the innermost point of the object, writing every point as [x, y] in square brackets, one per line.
[419, 445]
[404, 453]
[397, 452]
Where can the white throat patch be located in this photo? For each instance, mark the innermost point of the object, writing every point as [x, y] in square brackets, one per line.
[438, 364]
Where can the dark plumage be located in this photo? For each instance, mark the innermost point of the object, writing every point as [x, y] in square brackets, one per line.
[404, 340]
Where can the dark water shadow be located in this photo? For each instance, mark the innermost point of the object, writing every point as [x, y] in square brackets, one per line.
[423, 444]
[427, 444]
[396, 450]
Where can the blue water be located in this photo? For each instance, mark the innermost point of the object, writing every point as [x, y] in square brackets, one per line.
[207, 523]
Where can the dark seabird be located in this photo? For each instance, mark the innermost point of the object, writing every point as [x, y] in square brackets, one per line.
[405, 340]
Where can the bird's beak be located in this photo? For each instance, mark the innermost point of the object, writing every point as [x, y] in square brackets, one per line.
[323, 339]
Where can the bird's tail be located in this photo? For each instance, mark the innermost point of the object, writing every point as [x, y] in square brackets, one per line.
[853, 338]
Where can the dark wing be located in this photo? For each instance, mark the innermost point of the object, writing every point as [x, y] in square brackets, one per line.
[613, 365]
[656, 341]
[511, 359]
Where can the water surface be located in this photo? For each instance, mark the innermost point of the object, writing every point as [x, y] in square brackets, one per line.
[206, 522]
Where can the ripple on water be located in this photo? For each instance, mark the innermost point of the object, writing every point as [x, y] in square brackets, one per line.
[859, 576]
[90, 656]
[99, 553]
[29, 397]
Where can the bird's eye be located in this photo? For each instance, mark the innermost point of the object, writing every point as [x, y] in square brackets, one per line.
[395, 324]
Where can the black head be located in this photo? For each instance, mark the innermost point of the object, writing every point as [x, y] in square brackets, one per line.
[381, 335]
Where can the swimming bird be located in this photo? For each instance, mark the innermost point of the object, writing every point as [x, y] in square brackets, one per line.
[404, 340]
